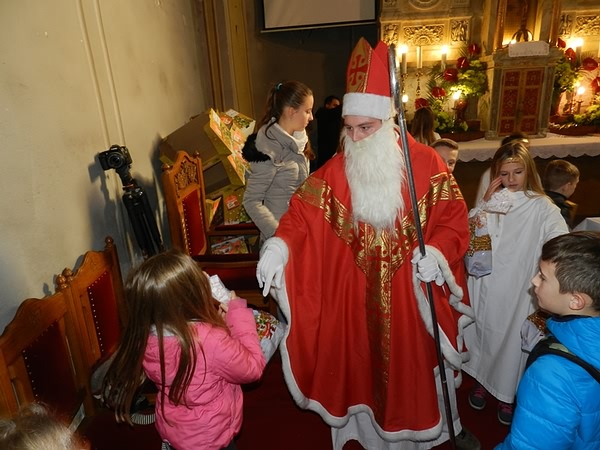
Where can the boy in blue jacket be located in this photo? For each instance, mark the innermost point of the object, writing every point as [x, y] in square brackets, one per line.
[558, 400]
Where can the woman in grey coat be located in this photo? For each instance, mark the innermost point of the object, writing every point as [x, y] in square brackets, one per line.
[278, 154]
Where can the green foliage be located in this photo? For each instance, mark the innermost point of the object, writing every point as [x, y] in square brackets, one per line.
[565, 76]
[444, 123]
[473, 81]
[591, 116]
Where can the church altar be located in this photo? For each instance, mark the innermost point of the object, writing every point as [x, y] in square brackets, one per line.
[551, 146]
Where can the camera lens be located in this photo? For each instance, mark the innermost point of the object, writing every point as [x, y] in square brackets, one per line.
[115, 160]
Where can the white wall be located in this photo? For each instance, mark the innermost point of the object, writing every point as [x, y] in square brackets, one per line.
[75, 77]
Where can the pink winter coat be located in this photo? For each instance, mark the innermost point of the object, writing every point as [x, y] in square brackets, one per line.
[213, 415]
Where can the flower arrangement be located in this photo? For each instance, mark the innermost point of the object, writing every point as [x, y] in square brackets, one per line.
[467, 80]
[566, 73]
[569, 74]
[469, 76]
[591, 116]
[445, 123]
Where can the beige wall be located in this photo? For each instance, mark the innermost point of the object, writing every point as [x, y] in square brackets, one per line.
[316, 57]
[78, 76]
[75, 77]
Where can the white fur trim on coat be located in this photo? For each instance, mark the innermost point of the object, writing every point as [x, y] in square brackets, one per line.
[367, 105]
[454, 357]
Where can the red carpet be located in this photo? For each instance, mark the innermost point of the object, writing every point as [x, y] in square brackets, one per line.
[272, 421]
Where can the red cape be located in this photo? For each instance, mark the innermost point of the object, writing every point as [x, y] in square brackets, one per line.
[350, 346]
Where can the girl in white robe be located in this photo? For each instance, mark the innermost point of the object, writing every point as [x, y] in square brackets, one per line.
[503, 299]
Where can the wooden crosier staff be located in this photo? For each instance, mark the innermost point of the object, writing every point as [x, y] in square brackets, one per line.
[413, 201]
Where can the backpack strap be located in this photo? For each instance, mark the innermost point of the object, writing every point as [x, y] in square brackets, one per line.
[551, 346]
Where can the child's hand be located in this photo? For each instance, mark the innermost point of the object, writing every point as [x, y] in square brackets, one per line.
[223, 308]
[494, 186]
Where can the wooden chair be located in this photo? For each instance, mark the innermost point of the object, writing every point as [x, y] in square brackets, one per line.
[41, 361]
[97, 302]
[184, 195]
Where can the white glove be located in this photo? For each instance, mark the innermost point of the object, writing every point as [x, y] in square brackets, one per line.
[270, 268]
[428, 268]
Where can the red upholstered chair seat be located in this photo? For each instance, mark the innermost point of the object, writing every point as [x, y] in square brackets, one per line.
[41, 360]
[183, 186]
[48, 364]
[105, 313]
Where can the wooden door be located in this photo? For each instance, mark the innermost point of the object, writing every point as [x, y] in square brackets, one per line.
[520, 100]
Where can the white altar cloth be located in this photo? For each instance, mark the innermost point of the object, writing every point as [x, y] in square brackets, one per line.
[552, 146]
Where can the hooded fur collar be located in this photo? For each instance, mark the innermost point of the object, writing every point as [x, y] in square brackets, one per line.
[251, 153]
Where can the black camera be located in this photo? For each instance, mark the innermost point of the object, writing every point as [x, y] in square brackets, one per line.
[142, 219]
[116, 157]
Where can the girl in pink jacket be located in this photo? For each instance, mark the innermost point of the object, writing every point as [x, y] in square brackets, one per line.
[196, 353]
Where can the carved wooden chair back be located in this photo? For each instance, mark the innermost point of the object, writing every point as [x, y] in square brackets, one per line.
[97, 301]
[41, 360]
[184, 194]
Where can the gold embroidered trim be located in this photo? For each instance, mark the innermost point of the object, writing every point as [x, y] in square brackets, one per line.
[538, 318]
[378, 255]
[478, 243]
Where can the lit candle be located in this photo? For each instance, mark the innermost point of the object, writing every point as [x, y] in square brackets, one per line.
[403, 52]
[419, 58]
[456, 96]
[580, 91]
[578, 44]
[444, 52]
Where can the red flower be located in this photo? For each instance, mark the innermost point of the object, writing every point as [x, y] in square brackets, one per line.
[438, 92]
[590, 64]
[596, 85]
[451, 74]
[561, 43]
[463, 62]
[570, 54]
[474, 49]
[421, 103]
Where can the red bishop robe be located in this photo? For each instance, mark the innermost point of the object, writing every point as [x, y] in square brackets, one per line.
[356, 341]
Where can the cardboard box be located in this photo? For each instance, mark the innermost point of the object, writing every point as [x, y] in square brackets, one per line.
[218, 138]
[191, 138]
[232, 127]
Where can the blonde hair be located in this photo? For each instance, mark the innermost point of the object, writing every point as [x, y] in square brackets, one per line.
[516, 151]
[34, 428]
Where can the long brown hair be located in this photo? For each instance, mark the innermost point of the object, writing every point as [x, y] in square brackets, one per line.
[168, 291]
[281, 95]
[516, 151]
[422, 125]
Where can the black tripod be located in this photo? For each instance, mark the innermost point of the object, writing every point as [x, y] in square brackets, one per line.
[135, 200]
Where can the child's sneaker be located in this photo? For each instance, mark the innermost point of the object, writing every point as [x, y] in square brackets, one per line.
[505, 413]
[477, 397]
[465, 440]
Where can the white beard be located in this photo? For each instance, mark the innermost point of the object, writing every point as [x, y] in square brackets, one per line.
[376, 175]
